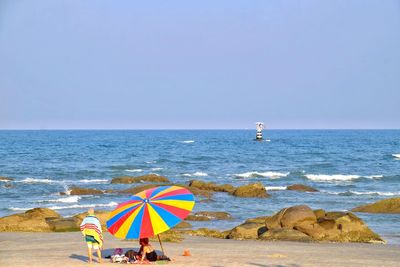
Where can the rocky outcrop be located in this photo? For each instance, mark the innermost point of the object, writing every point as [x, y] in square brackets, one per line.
[300, 223]
[209, 216]
[5, 179]
[63, 224]
[247, 230]
[34, 220]
[391, 205]
[251, 190]
[301, 188]
[206, 232]
[183, 225]
[285, 234]
[153, 178]
[85, 191]
[211, 186]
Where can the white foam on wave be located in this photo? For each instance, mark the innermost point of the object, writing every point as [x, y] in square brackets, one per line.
[134, 170]
[195, 174]
[338, 177]
[93, 181]
[397, 156]
[187, 141]
[70, 199]
[269, 174]
[75, 206]
[156, 169]
[30, 180]
[275, 188]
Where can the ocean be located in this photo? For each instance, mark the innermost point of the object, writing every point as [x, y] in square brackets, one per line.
[349, 167]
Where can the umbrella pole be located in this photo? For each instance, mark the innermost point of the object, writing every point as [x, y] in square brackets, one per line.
[162, 249]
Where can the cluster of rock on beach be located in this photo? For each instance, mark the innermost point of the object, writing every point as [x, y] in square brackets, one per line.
[297, 223]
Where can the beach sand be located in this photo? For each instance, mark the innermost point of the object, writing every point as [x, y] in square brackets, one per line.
[68, 249]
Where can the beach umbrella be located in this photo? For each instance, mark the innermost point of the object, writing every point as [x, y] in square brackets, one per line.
[150, 212]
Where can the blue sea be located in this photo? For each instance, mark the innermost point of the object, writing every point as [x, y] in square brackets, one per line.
[349, 167]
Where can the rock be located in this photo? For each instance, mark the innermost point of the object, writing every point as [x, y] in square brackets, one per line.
[211, 186]
[260, 219]
[169, 236]
[63, 224]
[284, 234]
[85, 191]
[251, 190]
[320, 213]
[154, 178]
[206, 232]
[183, 225]
[33, 220]
[297, 215]
[247, 230]
[390, 205]
[300, 223]
[102, 215]
[208, 216]
[5, 179]
[301, 188]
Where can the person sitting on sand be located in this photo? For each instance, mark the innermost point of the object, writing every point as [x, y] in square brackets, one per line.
[146, 251]
[91, 230]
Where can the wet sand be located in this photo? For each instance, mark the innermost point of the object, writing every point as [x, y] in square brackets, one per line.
[68, 249]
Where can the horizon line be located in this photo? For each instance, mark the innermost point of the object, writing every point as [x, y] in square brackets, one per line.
[182, 129]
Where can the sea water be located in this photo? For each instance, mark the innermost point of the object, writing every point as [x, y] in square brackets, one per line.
[349, 167]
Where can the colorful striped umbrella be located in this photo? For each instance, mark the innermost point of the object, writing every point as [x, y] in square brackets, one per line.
[150, 212]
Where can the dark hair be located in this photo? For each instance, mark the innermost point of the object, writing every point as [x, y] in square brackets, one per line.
[145, 241]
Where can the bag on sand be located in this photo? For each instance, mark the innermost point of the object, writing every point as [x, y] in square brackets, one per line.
[131, 254]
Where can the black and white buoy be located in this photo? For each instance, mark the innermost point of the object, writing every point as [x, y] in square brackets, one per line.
[259, 128]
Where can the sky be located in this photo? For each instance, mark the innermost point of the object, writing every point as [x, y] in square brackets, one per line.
[199, 64]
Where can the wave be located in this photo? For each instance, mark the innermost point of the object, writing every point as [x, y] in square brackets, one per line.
[133, 170]
[70, 199]
[36, 180]
[75, 206]
[397, 156]
[186, 141]
[275, 188]
[195, 174]
[338, 177]
[156, 169]
[94, 181]
[270, 174]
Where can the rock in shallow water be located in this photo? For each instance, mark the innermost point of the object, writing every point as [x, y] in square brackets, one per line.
[251, 190]
[209, 216]
[85, 191]
[154, 178]
[301, 188]
[390, 205]
[211, 186]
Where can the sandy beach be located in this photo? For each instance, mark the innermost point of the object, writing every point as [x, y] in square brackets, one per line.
[68, 249]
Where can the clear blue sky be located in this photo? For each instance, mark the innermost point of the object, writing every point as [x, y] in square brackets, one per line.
[210, 64]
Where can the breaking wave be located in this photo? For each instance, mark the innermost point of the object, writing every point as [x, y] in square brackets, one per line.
[75, 206]
[70, 199]
[269, 174]
[338, 177]
[195, 174]
[275, 188]
[397, 156]
[187, 141]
